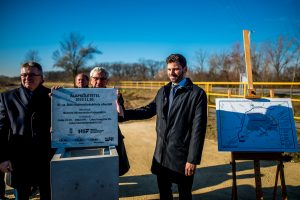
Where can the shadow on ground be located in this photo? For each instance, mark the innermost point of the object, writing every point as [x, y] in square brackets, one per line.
[132, 186]
[210, 179]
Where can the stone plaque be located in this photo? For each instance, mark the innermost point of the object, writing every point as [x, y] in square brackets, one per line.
[84, 117]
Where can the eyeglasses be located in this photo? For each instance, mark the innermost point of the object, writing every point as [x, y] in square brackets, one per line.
[99, 78]
[29, 75]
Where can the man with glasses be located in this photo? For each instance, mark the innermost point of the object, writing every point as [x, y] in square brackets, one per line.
[99, 79]
[25, 140]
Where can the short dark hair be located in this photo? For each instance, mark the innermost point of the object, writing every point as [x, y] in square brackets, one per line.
[176, 58]
[33, 64]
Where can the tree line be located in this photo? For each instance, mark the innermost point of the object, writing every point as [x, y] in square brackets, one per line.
[271, 61]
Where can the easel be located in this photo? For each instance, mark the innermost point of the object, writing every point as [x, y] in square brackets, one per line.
[256, 157]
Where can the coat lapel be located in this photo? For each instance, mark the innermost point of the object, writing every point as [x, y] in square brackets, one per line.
[22, 97]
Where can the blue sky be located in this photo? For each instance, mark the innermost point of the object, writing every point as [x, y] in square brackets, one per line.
[127, 30]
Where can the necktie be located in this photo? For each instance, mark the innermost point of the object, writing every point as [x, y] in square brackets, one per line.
[171, 96]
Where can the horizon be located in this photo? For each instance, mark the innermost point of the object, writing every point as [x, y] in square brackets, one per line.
[126, 31]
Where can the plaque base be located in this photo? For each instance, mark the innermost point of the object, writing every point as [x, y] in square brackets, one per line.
[85, 173]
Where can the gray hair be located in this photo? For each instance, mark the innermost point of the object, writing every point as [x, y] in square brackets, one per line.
[99, 70]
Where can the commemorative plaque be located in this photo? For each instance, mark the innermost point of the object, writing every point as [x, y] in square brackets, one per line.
[84, 117]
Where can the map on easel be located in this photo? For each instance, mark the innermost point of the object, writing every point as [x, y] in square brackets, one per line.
[256, 125]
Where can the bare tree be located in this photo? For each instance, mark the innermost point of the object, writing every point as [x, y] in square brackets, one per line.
[152, 65]
[32, 55]
[197, 72]
[259, 64]
[296, 42]
[280, 54]
[200, 57]
[72, 54]
[219, 67]
[213, 67]
[139, 71]
[237, 62]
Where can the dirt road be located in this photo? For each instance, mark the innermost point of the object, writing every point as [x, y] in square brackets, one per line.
[213, 178]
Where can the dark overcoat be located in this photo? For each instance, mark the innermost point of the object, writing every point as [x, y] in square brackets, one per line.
[181, 131]
[25, 137]
[124, 165]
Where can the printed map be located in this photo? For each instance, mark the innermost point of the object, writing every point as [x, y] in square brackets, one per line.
[264, 125]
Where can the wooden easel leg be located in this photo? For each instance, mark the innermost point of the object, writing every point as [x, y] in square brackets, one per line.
[259, 195]
[276, 181]
[283, 186]
[234, 187]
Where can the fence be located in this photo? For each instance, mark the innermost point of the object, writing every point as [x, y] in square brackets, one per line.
[232, 90]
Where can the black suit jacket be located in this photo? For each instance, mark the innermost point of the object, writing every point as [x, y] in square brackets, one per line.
[25, 137]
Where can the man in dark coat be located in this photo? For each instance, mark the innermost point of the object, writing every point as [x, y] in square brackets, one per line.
[25, 140]
[180, 107]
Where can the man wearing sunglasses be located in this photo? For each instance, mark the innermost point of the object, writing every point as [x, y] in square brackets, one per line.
[25, 141]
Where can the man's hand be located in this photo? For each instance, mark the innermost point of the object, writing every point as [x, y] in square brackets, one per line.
[6, 166]
[190, 169]
[57, 87]
[118, 104]
[119, 109]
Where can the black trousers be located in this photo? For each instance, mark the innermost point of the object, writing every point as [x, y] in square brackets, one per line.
[167, 178]
[2, 185]
[39, 177]
[24, 192]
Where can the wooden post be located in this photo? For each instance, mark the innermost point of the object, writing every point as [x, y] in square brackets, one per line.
[280, 171]
[251, 90]
[229, 93]
[271, 93]
[257, 175]
[234, 185]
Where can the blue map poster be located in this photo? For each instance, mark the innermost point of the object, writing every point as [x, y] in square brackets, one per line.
[256, 125]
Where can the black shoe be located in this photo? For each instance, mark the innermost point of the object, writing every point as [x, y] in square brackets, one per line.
[34, 191]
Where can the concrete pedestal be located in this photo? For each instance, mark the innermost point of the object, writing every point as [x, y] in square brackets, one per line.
[85, 173]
